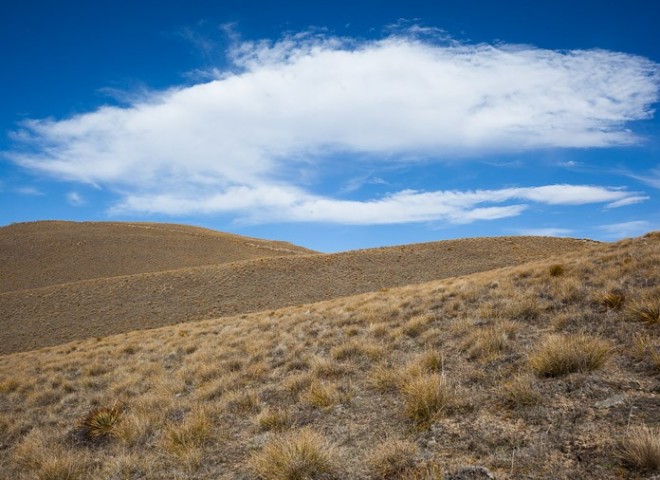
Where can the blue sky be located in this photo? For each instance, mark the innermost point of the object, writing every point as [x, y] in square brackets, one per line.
[334, 125]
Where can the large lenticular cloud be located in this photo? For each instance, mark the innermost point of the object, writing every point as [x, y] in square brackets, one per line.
[222, 146]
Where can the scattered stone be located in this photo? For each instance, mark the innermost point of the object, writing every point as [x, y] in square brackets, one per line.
[473, 472]
[612, 401]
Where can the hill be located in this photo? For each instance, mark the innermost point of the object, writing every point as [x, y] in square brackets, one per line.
[546, 370]
[38, 254]
[34, 318]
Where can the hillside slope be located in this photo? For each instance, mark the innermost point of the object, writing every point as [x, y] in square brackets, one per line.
[547, 370]
[38, 254]
[56, 314]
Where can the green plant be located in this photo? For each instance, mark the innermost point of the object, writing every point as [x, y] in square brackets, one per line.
[102, 421]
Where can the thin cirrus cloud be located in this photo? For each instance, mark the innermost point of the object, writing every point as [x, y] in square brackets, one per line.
[234, 144]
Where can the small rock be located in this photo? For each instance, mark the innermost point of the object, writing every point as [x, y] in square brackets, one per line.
[612, 401]
[471, 473]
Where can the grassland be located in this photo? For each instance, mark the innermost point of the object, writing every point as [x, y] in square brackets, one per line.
[38, 317]
[550, 369]
[38, 254]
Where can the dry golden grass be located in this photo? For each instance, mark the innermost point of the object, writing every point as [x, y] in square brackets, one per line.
[233, 275]
[298, 455]
[561, 355]
[317, 390]
[646, 310]
[392, 459]
[37, 254]
[640, 448]
[427, 396]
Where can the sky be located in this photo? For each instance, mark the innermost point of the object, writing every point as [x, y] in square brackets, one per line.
[334, 125]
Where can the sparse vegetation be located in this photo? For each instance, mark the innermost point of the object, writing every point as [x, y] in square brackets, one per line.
[524, 373]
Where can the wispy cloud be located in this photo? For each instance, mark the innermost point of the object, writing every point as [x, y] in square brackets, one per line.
[546, 232]
[273, 204]
[626, 229]
[233, 144]
[33, 191]
[651, 178]
[75, 199]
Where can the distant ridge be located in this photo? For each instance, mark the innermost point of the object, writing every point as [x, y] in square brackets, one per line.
[38, 254]
[54, 314]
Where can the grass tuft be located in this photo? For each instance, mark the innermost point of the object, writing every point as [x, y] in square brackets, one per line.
[298, 455]
[426, 396]
[561, 355]
[614, 299]
[520, 391]
[647, 311]
[274, 419]
[392, 459]
[556, 270]
[640, 448]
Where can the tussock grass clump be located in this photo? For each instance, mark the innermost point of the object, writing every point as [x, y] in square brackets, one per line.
[646, 310]
[613, 299]
[490, 341]
[520, 391]
[325, 368]
[416, 325]
[298, 382]
[191, 434]
[431, 361]
[243, 401]
[392, 459]
[298, 455]
[355, 350]
[640, 448]
[101, 422]
[45, 460]
[561, 355]
[525, 309]
[274, 419]
[325, 395]
[556, 270]
[384, 378]
[426, 396]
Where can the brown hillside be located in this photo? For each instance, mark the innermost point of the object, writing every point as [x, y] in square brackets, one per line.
[38, 254]
[57, 314]
[547, 370]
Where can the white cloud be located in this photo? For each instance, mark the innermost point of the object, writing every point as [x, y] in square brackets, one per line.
[32, 191]
[235, 144]
[652, 178]
[274, 204]
[546, 232]
[626, 229]
[627, 201]
[75, 199]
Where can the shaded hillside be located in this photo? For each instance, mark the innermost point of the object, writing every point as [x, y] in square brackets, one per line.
[38, 254]
[547, 370]
[57, 314]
